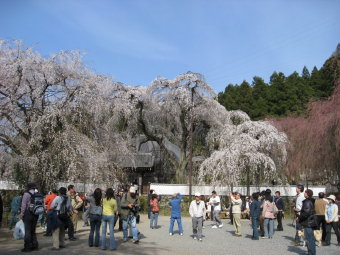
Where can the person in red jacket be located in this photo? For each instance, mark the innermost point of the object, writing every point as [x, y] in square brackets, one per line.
[154, 207]
[48, 201]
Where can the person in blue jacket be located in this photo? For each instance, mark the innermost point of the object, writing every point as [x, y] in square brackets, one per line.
[255, 207]
[175, 204]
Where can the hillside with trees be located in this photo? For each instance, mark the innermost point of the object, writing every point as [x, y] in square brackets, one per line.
[283, 95]
[307, 108]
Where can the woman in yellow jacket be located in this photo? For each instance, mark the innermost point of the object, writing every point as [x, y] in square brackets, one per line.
[109, 212]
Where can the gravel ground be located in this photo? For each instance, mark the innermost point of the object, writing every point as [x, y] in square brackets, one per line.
[158, 241]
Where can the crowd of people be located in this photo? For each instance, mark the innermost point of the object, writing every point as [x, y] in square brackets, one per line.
[102, 209]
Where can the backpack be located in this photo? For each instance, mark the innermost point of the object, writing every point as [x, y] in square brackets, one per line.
[36, 205]
[62, 213]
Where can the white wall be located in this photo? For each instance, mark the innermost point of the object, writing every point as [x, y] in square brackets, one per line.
[169, 189]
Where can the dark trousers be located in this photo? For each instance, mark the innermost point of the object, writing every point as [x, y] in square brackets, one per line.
[69, 226]
[329, 226]
[120, 222]
[279, 220]
[95, 222]
[322, 223]
[30, 222]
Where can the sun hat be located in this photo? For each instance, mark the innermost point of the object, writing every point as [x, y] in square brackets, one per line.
[331, 197]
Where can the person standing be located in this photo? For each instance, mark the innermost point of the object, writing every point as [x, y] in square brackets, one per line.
[129, 210]
[118, 216]
[109, 212]
[237, 203]
[268, 215]
[30, 220]
[298, 205]
[149, 199]
[307, 210]
[175, 204]
[197, 212]
[320, 207]
[154, 211]
[76, 203]
[48, 201]
[59, 211]
[332, 220]
[95, 212]
[215, 202]
[280, 210]
[15, 210]
[255, 207]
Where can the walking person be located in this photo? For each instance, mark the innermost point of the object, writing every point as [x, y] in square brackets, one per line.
[130, 205]
[59, 212]
[95, 212]
[320, 207]
[30, 220]
[175, 204]
[237, 203]
[332, 220]
[197, 212]
[109, 212]
[298, 205]
[15, 210]
[306, 211]
[280, 210]
[154, 211]
[255, 207]
[215, 202]
[268, 215]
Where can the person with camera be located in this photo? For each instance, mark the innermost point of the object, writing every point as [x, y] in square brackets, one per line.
[130, 205]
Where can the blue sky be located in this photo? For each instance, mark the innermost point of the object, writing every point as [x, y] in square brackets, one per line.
[135, 41]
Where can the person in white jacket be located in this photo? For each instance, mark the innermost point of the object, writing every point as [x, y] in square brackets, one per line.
[197, 212]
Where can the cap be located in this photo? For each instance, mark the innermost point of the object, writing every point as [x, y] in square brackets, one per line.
[132, 189]
[197, 194]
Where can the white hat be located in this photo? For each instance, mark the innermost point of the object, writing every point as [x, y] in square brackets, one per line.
[197, 194]
[132, 189]
[331, 197]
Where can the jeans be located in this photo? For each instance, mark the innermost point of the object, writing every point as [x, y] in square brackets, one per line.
[108, 220]
[179, 222]
[197, 225]
[30, 222]
[216, 216]
[309, 235]
[131, 219]
[95, 222]
[153, 220]
[268, 224]
[329, 227]
[298, 227]
[254, 226]
[85, 217]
